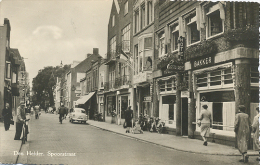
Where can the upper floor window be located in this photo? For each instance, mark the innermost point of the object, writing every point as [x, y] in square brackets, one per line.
[8, 70]
[126, 39]
[215, 24]
[112, 44]
[174, 36]
[142, 16]
[254, 74]
[136, 20]
[193, 35]
[162, 44]
[149, 12]
[113, 21]
[126, 8]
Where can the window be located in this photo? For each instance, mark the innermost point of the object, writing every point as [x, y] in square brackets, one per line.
[174, 36]
[149, 12]
[101, 79]
[142, 16]
[136, 20]
[126, 8]
[215, 23]
[254, 74]
[136, 59]
[193, 35]
[220, 77]
[14, 77]
[168, 85]
[161, 44]
[126, 39]
[113, 45]
[113, 21]
[8, 70]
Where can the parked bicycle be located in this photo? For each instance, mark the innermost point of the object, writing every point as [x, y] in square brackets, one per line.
[25, 131]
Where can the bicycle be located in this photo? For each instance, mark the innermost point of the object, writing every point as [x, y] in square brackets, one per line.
[25, 131]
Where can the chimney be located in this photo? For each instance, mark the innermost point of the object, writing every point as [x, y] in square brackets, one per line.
[95, 51]
[89, 54]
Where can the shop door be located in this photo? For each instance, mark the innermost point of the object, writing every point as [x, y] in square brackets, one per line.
[184, 115]
[124, 105]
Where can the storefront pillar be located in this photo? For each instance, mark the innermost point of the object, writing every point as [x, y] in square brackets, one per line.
[178, 105]
[242, 84]
[191, 108]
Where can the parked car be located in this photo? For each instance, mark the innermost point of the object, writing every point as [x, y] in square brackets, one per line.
[78, 115]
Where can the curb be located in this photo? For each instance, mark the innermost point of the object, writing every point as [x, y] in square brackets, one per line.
[142, 140]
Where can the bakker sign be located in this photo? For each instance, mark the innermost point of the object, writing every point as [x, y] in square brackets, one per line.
[202, 62]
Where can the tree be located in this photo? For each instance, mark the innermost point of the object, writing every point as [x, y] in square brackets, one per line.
[44, 83]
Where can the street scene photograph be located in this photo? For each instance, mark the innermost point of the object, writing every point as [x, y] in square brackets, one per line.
[129, 82]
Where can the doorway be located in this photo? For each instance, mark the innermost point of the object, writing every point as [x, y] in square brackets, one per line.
[184, 116]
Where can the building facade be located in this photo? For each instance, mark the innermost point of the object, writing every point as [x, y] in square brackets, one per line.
[207, 53]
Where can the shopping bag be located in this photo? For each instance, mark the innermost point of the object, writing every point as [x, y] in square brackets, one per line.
[12, 122]
[125, 125]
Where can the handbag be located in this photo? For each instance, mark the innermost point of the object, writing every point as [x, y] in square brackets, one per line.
[125, 125]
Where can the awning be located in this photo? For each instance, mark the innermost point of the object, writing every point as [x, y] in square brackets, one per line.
[84, 99]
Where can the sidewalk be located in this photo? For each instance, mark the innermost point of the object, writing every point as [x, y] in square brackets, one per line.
[174, 142]
[8, 145]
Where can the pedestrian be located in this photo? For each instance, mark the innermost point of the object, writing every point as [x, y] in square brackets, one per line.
[7, 114]
[255, 130]
[242, 129]
[205, 124]
[21, 117]
[62, 111]
[37, 109]
[128, 118]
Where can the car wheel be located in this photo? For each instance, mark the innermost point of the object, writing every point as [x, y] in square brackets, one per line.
[84, 122]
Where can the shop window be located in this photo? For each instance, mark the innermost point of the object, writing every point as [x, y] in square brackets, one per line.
[174, 36]
[193, 35]
[202, 80]
[254, 74]
[126, 8]
[167, 85]
[214, 78]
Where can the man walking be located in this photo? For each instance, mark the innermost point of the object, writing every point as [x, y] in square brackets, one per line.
[7, 114]
[21, 117]
[62, 111]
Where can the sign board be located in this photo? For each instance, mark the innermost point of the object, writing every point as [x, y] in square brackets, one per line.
[181, 47]
[148, 98]
[185, 94]
[202, 62]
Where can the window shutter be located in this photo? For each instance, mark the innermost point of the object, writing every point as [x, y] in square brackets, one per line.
[198, 17]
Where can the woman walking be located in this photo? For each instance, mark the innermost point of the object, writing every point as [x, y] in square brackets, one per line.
[205, 120]
[242, 130]
[255, 130]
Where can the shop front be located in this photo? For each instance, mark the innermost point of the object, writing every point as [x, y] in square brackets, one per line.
[111, 109]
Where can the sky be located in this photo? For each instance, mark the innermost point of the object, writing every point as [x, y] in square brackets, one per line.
[47, 32]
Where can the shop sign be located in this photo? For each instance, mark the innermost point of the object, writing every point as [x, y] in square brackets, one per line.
[202, 62]
[142, 77]
[184, 94]
[148, 98]
[181, 47]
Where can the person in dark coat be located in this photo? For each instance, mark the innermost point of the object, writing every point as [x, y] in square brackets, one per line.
[7, 114]
[62, 111]
[21, 117]
[243, 130]
[128, 118]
